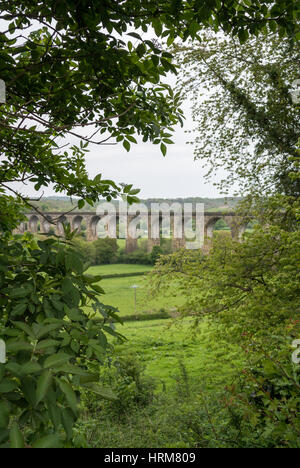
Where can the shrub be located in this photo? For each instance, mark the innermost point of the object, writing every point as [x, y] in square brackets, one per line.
[48, 338]
[105, 251]
[269, 396]
[125, 376]
[86, 249]
[137, 257]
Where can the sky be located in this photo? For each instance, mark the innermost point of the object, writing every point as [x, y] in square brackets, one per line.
[176, 175]
[172, 176]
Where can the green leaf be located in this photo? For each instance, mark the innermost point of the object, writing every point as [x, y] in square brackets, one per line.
[157, 25]
[4, 435]
[97, 288]
[16, 437]
[55, 414]
[28, 388]
[243, 35]
[68, 422]
[13, 346]
[30, 368]
[67, 285]
[56, 360]
[23, 326]
[163, 149]
[4, 415]
[19, 309]
[2, 371]
[49, 441]
[19, 292]
[7, 386]
[81, 204]
[90, 279]
[141, 50]
[42, 330]
[47, 344]
[73, 263]
[103, 392]
[69, 393]
[43, 385]
[126, 145]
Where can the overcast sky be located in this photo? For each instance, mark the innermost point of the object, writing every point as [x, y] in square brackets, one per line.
[173, 176]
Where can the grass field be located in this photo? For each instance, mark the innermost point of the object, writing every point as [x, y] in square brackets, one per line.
[162, 344]
[118, 269]
[186, 370]
[119, 292]
[181, 364]
[159, 343]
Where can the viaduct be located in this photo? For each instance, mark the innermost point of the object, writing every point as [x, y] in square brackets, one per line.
[53, 222]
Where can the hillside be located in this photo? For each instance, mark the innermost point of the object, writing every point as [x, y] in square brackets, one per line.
[64, 204]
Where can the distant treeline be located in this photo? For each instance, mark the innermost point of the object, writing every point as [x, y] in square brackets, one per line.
[64, 204]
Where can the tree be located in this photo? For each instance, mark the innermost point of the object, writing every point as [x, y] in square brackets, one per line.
[248, 295]
[70, 65]
[47, 310]
[105, 251]
[248, 124]
[246, 120]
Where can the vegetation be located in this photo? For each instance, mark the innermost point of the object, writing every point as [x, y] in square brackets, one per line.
[119, 292]
[247, 122]
[251, 289]
[81, 72]
[49, 341]
[64, 204]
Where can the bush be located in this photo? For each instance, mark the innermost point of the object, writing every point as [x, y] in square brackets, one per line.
[106, 251]
[269, 397]
[99, 252]
[86, 249]
[125, 376]
[137, 257]
[155, 254]
[49, 340]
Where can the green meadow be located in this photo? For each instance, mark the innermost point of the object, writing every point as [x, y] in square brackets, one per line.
[163, 371]
[162, 344]
[120, 293]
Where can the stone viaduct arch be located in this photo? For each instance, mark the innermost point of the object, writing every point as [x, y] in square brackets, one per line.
[53, 222]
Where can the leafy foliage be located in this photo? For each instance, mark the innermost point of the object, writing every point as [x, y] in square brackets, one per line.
[246, 121]
[68, 65]
[268, 398]
[49, 340]
[250, 286]
[125, 375]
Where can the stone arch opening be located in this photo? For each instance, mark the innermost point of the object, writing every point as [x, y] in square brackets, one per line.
[210, 226]
[92, 233]
[34, 224]
[48, 226]
[77, 224]
[246, 228]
